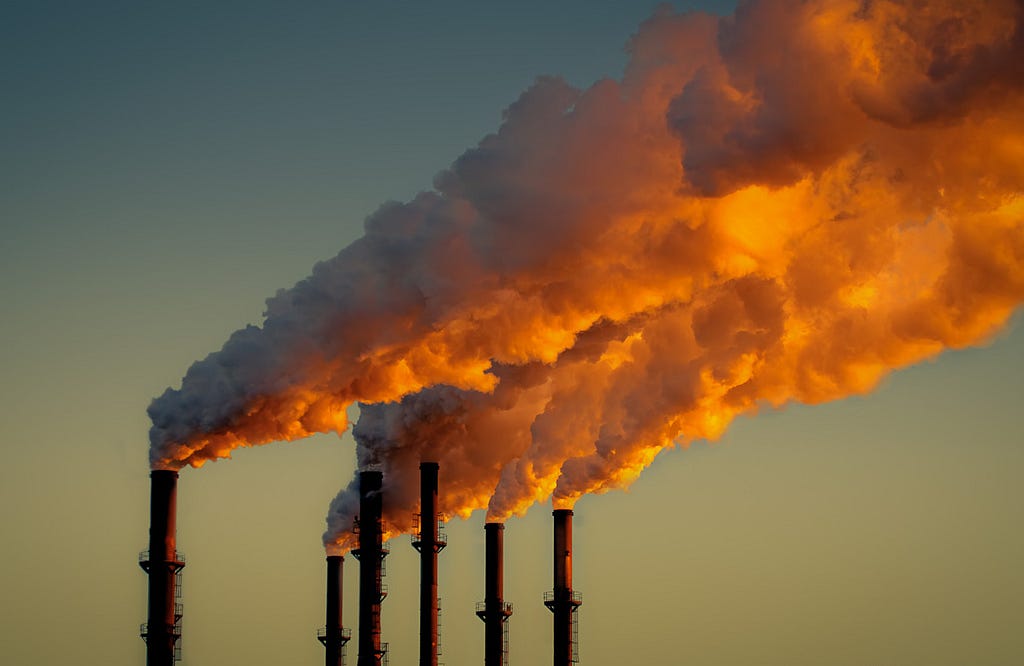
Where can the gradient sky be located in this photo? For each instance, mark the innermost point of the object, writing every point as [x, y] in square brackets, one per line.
[165, 169]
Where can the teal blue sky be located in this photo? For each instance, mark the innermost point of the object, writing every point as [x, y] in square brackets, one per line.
[166, 168]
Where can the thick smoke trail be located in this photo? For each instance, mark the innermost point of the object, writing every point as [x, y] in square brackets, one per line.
[780, 205]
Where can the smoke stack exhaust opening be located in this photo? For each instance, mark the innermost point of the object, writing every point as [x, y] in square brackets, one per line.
[563, 601]
[429, 542]
[334, 636]
[162, 631]
[371, 554]
[493, 610]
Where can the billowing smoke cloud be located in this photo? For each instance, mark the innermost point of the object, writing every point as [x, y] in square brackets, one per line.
[780, 205]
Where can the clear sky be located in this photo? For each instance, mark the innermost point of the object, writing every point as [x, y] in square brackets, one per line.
[166, 169]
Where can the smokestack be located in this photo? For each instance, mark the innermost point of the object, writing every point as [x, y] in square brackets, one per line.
[162, 562]
[562, 600]
[429, 544]
[334, 635]
[493, 610]
[371, 553]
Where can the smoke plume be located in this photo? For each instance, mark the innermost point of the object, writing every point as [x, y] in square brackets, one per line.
[780, 205]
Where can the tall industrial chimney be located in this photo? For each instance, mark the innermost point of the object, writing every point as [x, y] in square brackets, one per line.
[162, 562]
[562, 600]
[429, 543]
[371, 554]
[493, 610]
[334, 635]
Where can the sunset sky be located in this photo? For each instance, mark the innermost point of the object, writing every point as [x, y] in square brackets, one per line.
[165, 170]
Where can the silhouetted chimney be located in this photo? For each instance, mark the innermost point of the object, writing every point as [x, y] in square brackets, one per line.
[562, 600]
[493, 610]
[429, 543]
[371, 554]
[334, 635]
[163, 563]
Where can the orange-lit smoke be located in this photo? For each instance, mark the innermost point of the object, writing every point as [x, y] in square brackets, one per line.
[780, 205]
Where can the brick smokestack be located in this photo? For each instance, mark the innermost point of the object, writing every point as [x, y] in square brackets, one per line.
[371, 553]
[493, 610]
[334, 635]
[162, 562]
[429, 544]
[562, 600]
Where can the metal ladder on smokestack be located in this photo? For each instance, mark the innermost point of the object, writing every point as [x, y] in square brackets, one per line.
[563, 601]
[345, 635]
[440, 541]
[554, 601]
[441, 537]
[439, 618]
[174, 567]
[163, 564]
[333, 636]
[504, 612]
[494, 610]
[429, 540]
[381, 571]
